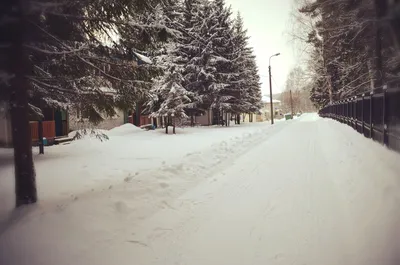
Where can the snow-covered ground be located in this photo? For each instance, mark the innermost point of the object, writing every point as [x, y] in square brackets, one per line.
[306, 191]
[89, 165]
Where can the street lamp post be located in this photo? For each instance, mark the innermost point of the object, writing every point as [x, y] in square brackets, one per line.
[270, 87]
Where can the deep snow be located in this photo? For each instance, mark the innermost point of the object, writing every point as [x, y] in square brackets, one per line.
[306, 191]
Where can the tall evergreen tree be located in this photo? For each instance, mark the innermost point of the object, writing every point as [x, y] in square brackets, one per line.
[246, 79]
[223, 56]
[195, 52]
[53, 51]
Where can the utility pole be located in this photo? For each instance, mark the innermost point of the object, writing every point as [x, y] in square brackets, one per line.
[291, 102]
[270, 95]
[270, 88]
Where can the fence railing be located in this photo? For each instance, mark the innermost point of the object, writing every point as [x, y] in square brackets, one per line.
[375, 114]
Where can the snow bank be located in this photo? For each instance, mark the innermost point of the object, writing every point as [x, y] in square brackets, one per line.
[125, 129]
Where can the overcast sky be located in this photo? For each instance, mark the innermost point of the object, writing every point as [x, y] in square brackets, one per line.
[267, 22]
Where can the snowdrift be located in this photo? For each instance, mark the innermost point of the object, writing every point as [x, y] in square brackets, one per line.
[125, 129]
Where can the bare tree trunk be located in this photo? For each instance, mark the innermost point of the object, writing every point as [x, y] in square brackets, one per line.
[371, 74]
[395, 23]
[291, 102]
[381, 8]
[19, 65]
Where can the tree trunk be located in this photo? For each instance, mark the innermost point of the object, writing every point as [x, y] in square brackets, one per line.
[380, 7]
[20, 66]
[166, 124]
[394, 23]
[191, 120]
[138, 110]
[238, 118]
[371, 74]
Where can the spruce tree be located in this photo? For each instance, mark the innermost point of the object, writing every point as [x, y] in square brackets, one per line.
[223, 56]
[247, 79]
[53, 51]
[195, 52]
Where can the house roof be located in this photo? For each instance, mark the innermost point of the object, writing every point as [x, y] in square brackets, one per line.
[266, 99]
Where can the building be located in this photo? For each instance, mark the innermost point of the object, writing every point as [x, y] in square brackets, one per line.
[5, 126]
[266, 109]
[55, 124]
[250, 117]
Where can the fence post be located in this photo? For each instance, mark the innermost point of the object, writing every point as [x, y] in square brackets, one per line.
[40, 134]
[352, 112]
[371, 105]
[385, 136]
[355, 113]
[362, 113]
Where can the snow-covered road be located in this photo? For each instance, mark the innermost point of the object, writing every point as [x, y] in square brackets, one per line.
[311, 191]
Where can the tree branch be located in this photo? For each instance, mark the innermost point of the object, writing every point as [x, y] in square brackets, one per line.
[84, 47]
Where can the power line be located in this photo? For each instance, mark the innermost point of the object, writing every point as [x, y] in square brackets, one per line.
[273, 79]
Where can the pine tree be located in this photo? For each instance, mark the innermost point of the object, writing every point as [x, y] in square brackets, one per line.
[174, 98]
[247, 79]
[168, 98]
[195, 53]
[223, 57]
[54, 52]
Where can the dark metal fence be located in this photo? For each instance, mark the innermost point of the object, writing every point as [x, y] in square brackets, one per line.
[375, 114]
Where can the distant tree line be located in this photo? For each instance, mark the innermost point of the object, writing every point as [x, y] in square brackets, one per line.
[296, 95]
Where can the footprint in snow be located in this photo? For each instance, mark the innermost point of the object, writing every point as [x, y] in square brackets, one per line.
[128, 179]
[121, 207]
[164, 185]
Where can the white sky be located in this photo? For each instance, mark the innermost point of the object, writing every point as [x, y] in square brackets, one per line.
[267, 22]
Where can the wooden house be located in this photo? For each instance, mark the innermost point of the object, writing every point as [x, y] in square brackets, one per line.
[55, 125]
